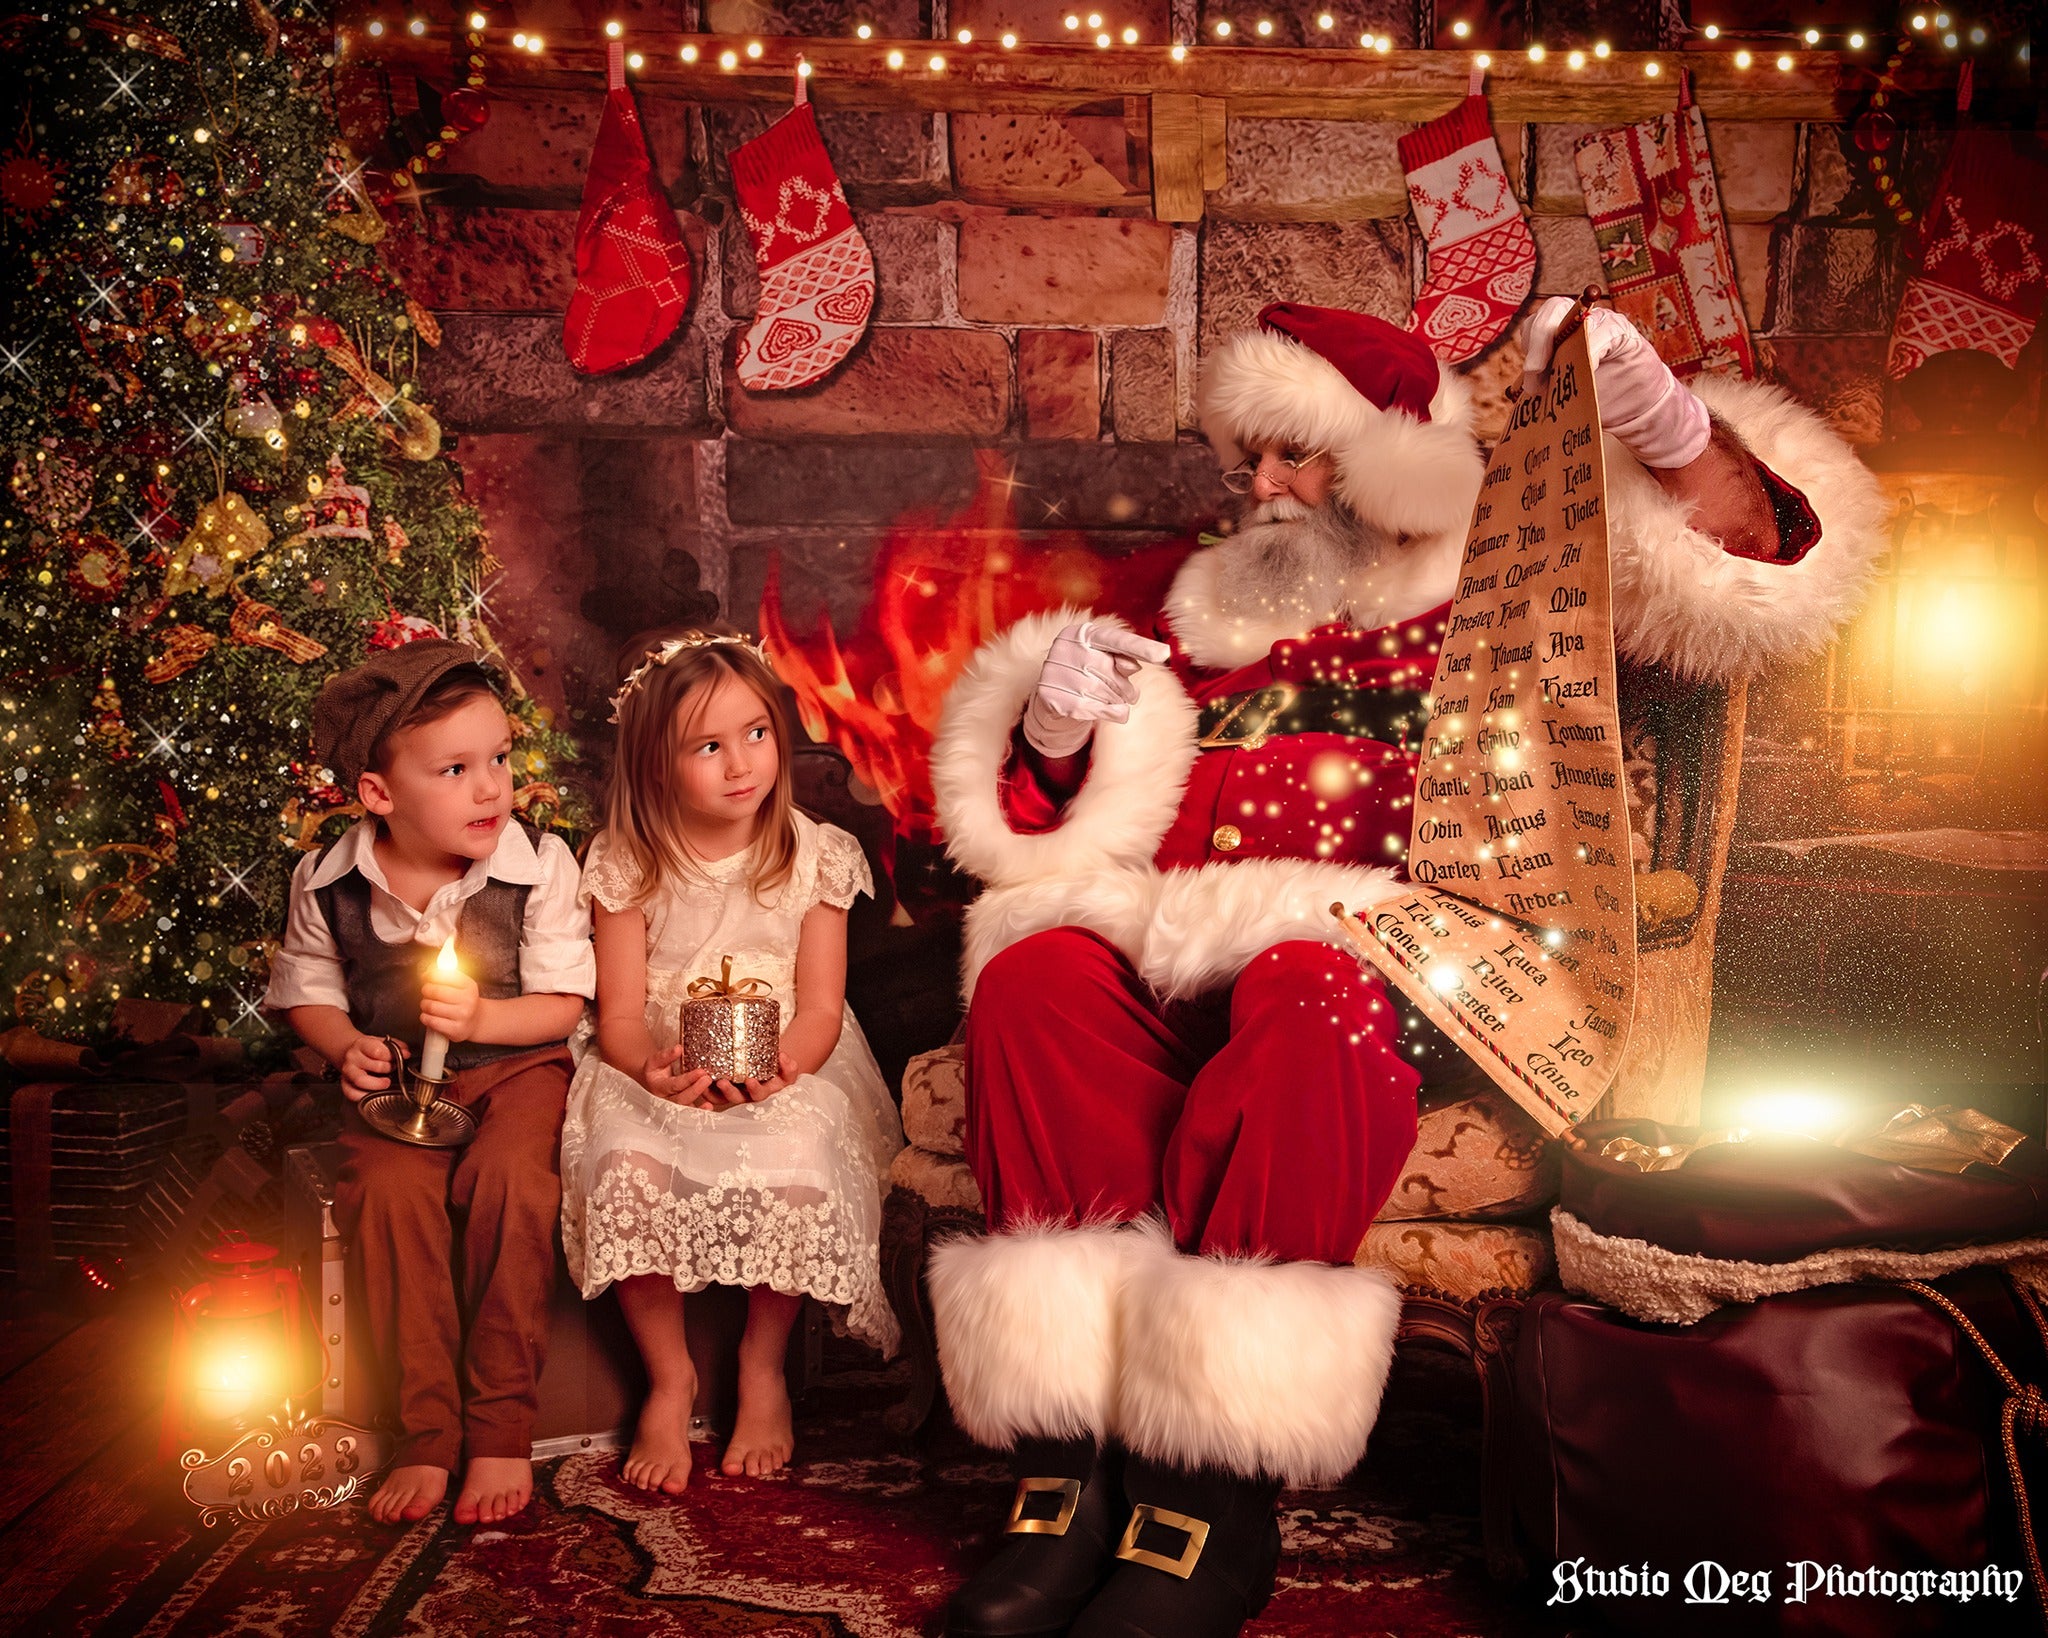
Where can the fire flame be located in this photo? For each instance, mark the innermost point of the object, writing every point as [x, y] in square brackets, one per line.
[942, 589]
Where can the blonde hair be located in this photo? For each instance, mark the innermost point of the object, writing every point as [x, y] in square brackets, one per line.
[642, 815]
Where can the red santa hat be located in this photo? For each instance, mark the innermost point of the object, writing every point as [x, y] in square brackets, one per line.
[1396, 423]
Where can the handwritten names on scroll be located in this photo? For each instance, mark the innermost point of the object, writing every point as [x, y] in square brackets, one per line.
[1518, 938]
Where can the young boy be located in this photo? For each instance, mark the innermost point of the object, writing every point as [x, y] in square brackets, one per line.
[419, 735]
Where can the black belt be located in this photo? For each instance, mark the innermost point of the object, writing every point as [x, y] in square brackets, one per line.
[1392, 716]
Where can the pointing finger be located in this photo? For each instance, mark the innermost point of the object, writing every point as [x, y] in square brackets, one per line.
[1115, 640]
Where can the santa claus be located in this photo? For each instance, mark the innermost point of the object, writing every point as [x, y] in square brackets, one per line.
[1184, 1106]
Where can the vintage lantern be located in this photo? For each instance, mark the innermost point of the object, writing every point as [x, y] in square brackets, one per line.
[239, 1346]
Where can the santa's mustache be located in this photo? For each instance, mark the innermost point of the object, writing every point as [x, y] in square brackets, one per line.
[1280, 509]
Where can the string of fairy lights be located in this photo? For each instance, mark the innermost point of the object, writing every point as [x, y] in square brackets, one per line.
[1748, 48]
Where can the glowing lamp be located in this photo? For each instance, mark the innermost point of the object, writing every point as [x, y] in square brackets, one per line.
[238, 1344]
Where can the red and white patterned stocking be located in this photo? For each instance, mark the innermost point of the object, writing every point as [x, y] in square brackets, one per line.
[632, 267]
[1481, 258]
[817, 278]
[1981, 279]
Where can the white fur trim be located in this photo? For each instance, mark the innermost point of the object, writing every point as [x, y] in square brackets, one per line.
[1379, 594]
[1407, 476]
[1185, 931]
[1136, 770]
[1650, 1282]
[1254, 1367]
[1028, 1326]
[1681, 601]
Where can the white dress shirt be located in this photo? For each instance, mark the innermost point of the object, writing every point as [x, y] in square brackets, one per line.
[555, 957]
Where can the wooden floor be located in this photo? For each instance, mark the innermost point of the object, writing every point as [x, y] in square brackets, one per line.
[81, 1396]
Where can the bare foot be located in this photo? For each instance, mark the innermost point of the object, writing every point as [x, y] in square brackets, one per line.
[409, 1494]
[660, 1457]
[762, 1435]
[493, 1489]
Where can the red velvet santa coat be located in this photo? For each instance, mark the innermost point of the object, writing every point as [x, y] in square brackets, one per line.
[1139, 855]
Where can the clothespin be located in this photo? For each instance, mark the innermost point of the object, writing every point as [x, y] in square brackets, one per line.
[615, 65]
[1476, 84]
[1684, 89]
[1966, 85]
[803, 81]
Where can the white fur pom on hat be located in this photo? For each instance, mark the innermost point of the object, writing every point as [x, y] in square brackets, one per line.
[1396, 423]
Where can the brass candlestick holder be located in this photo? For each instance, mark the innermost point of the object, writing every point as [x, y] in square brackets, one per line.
[416, 1112]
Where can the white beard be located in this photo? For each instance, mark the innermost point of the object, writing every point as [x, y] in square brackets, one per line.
[1291, 568]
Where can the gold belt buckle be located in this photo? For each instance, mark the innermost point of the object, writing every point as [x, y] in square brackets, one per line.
[1194, 1529]
[1262, 720]
[1069, 1492]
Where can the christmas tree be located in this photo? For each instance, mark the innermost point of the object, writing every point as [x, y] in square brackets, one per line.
[222, 488]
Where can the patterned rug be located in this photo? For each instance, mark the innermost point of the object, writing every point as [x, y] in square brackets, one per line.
[862, 1538]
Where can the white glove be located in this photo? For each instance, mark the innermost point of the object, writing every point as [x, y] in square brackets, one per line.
[1086, 679]
[1651, 411]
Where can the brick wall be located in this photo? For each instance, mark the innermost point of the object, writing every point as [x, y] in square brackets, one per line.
[1028, 302]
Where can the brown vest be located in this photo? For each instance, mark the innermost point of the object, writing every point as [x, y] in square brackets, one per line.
[383, 980]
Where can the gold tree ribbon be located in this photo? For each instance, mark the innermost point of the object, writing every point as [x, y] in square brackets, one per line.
[723, 986]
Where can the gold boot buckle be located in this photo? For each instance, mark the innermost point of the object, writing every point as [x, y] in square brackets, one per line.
[1069, 1493]
[1143, 1514]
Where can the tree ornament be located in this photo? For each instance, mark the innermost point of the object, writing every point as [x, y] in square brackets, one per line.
[395, 630]
[99, 568]
[466, 110]
[1874, 133]
[225, 536]
[54, 490]
[395, 541]
[253, 415]
[243, 241]
[31, 184]
[184, 647]
[258, 625]
[340, 510]
[109, 727]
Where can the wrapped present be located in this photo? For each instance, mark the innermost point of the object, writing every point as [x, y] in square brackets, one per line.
[731, 1027]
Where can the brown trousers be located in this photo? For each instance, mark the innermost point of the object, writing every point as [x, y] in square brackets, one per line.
[398, 1208]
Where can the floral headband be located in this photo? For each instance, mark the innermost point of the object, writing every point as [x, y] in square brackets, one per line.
[669, 650]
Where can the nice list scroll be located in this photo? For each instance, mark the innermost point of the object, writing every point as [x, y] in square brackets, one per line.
[1518, 937]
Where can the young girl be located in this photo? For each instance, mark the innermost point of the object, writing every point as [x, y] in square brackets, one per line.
[671, 1180]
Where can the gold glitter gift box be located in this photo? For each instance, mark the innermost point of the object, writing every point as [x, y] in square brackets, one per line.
[732, 1028]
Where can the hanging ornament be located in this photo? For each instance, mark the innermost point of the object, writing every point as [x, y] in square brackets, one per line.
[242, 241]
[424, 324]
[338, 510]
[109, 727]
[132, 181]
[466, 110]
[31, 184]
[395, 541]
[395, 630]
[54, 490]
[98, 569]
[225, 536]
[257, 625]
[254, 415]
[184, 647]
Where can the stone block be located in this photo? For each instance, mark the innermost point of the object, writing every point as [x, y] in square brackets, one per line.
[1752, 244]
[509, 373]
[1311, 170]
[1059, 382]
[1753, 163]
[1833, 281]
[885, 158]
[1118, 486]
[1567, 259]
[910, 272]
[1840, 376]
[1143, 396]
[1836, 186]
[1557, 170]
[486, 259]
[768, 484]
[535, 148]
[1043, 159]
[821, 576]
[907, 382]
[1627, 25]
[1362, 265]
[1064, 270]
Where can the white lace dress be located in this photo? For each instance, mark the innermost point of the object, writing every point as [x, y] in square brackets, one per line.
[784, 1193]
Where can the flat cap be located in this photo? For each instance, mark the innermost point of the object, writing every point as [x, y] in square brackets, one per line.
[359, 706]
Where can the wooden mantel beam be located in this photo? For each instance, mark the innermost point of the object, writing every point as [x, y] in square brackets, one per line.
[1251, 82]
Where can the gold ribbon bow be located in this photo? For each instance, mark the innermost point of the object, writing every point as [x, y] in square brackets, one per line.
[723, 986]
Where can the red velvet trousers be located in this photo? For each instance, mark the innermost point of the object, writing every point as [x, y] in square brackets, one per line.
[1274, 1119]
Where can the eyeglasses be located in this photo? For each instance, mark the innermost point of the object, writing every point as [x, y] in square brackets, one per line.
[1238, 480]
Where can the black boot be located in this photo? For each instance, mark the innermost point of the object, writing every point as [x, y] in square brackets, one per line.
[1063, 1523]
[1196, 1558]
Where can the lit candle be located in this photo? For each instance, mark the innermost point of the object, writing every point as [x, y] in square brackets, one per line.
[434, 1049]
